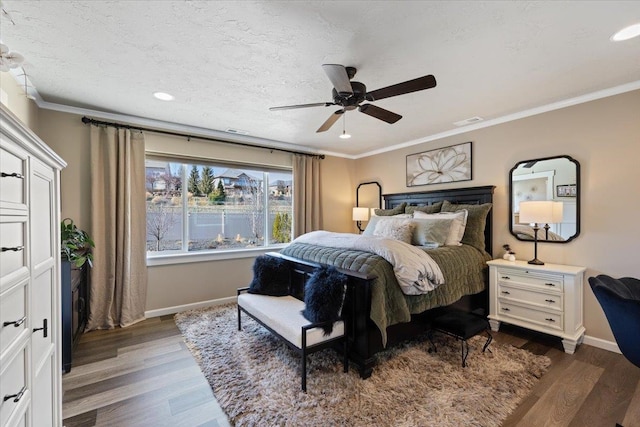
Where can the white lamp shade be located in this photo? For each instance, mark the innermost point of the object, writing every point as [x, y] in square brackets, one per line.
[541, 212]
[360, 214]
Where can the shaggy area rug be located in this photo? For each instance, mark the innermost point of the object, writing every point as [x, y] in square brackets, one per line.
[256, 379]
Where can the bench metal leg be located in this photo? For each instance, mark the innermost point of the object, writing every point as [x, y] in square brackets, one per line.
[239, 321]
[346, 355]
[304, 361]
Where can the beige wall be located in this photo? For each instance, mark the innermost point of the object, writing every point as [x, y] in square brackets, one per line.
[603, 136]
[25, 109]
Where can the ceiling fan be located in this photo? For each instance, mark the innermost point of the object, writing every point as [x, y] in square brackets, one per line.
[350, 95]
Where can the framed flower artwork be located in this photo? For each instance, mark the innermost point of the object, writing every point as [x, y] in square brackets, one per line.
[447, 164]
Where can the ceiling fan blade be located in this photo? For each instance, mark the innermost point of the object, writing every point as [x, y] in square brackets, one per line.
[421, 83]
[330, 121]
[339, 77]
[379, 113]
[291, 107]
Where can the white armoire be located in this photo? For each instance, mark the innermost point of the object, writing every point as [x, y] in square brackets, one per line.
[30, 334]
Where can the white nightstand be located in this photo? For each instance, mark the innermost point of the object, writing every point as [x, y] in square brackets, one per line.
[546, 298]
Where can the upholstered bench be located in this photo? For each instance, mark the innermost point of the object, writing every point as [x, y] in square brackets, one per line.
[281, 315]
[461, 325]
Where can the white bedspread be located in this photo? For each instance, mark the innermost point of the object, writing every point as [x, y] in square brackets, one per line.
[417, 273]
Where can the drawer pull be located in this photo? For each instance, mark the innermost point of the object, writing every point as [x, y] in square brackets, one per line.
[505, 309]
[44, 328]
[506, 277]
[16, 397]
[15, 323]
[549, 319]
[506, 292]
[550, 300]
[14, 249]
[550, 284]
[12, 175]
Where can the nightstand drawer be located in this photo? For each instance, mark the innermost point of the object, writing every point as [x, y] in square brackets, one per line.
[529, 296]
[550, 282]
[530, 315]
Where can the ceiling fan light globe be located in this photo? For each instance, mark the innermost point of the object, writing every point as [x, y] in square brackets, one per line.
[345, 135]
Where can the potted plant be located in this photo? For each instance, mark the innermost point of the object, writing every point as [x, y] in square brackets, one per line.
[76, 244]
[76, 247]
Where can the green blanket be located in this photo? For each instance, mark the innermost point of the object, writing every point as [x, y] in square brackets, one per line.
[462, 267]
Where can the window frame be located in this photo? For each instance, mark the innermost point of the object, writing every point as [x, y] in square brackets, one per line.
[183, 255]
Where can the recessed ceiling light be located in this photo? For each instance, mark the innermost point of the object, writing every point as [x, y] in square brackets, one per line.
[163, 96]
[627, 33]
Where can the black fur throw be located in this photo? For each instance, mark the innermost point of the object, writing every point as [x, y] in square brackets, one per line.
[271, 276]
[323, 296]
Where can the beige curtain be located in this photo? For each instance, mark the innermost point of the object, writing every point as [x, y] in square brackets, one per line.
[306, 194]
[119, 274]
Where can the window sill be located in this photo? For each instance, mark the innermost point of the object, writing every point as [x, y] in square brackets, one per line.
[204, 256]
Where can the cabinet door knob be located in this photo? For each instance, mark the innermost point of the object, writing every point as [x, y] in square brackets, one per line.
[44, 329]
[16, 397]
[11, 175]
[15, 323]
[550, 300]
[14, 249]
[549, 319]
[505, 309]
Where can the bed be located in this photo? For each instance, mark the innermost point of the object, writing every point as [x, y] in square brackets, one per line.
[377, 313]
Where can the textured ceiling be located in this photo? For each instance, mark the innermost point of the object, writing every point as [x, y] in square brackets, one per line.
[227, 62]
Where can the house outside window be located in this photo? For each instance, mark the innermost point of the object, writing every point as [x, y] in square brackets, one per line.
[196, 207]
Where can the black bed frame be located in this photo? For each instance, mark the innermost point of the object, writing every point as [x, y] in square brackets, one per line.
[364, 338]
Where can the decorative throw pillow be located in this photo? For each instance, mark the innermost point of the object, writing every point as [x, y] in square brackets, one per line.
[271, 276]
[323, 296]
[373, 221]
[434, 208]
[430, 231]
[476, 222]
[456, 232]
[389, 212]
[398, 229]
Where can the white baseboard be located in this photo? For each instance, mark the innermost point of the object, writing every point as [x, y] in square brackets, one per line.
[603, 344]
[178, 308]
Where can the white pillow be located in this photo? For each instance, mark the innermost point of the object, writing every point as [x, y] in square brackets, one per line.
[373, 221]
[398, 229]
[457, 228]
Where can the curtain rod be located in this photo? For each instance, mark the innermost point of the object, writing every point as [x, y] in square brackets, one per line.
[89, 121]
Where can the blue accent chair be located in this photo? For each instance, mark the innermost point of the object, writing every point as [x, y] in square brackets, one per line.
[620, 300]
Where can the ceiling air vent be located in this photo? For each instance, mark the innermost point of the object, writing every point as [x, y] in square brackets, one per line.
[237, 131]
[469, 121]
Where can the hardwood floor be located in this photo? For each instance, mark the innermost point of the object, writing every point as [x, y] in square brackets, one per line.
[144, 375]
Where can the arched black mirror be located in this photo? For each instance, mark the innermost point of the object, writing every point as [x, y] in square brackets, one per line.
[555, 179]
[368, 196]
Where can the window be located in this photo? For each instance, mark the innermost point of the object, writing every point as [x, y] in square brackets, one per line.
[197, 207]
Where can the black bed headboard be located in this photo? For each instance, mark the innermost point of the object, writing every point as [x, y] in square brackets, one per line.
[470, 195]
